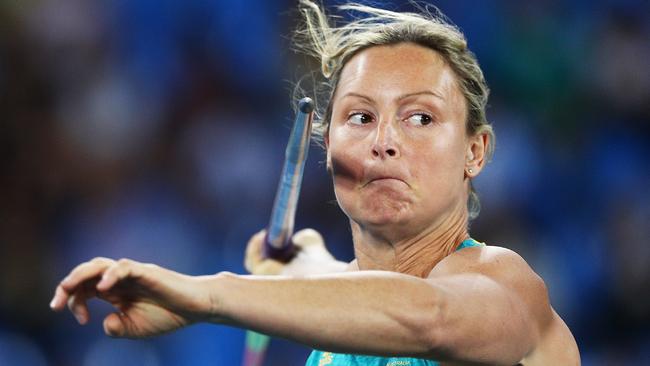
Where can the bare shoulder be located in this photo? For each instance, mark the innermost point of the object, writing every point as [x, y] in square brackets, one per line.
[502, 265]
[556, 344]
[483, 259]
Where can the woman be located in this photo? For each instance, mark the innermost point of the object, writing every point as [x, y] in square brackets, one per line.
[405, 133]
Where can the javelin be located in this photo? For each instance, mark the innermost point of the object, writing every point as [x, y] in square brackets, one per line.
[277, 243]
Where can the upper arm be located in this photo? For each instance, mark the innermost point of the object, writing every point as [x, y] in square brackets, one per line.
[493, 306]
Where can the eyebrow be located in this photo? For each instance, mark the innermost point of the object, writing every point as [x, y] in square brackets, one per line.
[401, 97]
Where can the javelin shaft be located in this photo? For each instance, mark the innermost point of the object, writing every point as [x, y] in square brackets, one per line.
[277, 244]
[278, 239]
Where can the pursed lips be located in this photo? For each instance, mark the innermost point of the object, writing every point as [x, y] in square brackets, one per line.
[379, 178]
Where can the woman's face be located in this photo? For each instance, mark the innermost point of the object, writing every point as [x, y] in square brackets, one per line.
[397, 143]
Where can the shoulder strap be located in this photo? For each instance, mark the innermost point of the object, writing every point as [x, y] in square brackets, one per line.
[469, 242]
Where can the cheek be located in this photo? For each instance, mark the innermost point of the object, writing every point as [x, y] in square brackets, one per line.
[346, 172]
[344, 164]
[344, 150]
[438, 165]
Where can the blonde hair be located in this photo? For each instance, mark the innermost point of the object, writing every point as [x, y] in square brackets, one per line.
[321, 37]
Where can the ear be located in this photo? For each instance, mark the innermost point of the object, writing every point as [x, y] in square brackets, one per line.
[476, 153]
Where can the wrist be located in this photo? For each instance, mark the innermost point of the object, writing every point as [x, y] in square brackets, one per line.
[214, 287]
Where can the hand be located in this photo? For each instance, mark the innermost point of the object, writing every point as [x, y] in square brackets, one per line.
[151, 300]
[312, 256]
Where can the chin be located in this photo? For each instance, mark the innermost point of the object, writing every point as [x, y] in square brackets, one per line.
[389, 227]
[380, 213]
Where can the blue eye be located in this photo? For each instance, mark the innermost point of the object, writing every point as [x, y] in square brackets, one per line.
[420, 119]
[360, 118]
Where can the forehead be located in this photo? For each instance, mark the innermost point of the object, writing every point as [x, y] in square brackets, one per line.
[393, 70]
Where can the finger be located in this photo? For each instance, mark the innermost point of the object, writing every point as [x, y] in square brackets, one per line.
[84, 272]
[255, 251]
[59, 300]
[255, 261]
[79, 274]
[77, 306]
[118, 271]
[77, 303]
[307, 237]
[311, 244]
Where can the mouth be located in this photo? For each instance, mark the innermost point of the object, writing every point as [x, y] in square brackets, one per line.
[394, 176]
[385, 180]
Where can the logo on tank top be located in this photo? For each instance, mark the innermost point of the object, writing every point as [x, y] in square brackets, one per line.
[325, 359]
[399, 363]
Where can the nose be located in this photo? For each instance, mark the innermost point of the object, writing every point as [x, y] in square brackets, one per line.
[385, 145]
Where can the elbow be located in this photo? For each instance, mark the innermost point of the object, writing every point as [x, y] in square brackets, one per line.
[444, 336]
[428, 322]
[433, 335]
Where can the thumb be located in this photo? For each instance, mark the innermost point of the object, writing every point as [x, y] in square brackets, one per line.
[255, 251]
[115, 324]
[267, 267]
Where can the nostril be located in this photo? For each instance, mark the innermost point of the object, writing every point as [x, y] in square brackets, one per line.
[384, 152]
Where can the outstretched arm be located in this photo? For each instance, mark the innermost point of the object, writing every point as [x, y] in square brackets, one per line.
[369, 312]
[486, 313]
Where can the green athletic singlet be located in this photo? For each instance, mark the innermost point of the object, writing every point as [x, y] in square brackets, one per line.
[320, 358]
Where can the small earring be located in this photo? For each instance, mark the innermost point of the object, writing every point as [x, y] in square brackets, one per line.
[470, 171]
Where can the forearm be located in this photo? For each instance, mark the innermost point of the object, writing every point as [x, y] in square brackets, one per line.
[380, 313]
[332, 267]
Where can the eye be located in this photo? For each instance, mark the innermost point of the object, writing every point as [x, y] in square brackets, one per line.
[419, 119]
[359, 118]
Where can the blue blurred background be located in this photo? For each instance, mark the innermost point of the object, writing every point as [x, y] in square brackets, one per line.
[155, 130]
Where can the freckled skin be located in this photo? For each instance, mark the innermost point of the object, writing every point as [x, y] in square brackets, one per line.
[428, 159]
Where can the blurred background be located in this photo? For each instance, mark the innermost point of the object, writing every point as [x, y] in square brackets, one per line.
[155, 130]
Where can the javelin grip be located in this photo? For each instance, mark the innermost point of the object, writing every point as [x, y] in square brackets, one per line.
[277, 244]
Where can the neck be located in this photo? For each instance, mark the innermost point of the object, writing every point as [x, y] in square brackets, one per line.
[416, 254]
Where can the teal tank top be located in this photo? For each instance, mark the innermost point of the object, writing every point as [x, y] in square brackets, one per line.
[320, 358]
